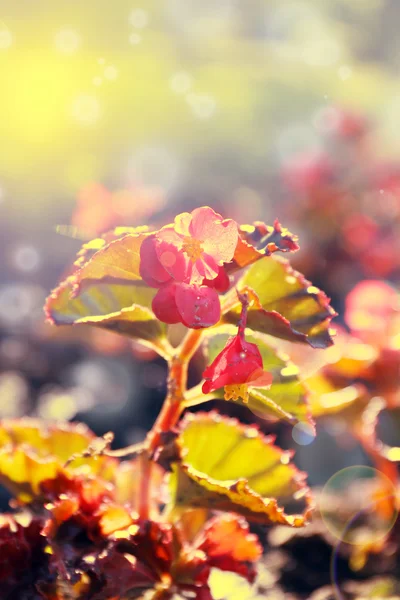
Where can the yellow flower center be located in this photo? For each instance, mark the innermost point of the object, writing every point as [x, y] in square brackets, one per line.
[192, 247]
[236, 391]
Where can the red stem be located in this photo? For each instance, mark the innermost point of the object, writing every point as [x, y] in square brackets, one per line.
[244, 300]
[170, 412]
[145, 486]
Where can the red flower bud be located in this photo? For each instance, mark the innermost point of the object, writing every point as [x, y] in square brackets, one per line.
[238, 366]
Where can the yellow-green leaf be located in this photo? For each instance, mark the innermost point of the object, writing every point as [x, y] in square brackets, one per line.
[282, 304]
[287, 396]
[89, 248]
[116, 262]
[125, 309]
[33, 451]
[230, 467]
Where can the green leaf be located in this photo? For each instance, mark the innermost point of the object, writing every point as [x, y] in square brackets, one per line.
[125, 309]
[230, 467]
[284, 305]
[287, 396]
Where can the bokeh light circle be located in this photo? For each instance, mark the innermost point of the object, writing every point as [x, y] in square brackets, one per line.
[345, 72]
[67, 41]
[135, 38]
[203, 106]
[358, 505]
[303, 434]
[181, 82]
[86, 109]
[6, 37]
[26, 258]
[111, 72]
[139, 18]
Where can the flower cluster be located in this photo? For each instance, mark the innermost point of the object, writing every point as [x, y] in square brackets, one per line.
[185, 261]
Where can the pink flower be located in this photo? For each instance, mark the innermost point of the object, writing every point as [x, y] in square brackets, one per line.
[186, 262]
[191, 250]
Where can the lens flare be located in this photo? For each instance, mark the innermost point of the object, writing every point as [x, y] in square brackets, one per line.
[370, 510]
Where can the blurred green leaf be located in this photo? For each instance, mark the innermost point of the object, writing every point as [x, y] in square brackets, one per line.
[33, 451]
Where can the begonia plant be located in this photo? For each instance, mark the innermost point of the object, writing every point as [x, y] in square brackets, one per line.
[153, 520]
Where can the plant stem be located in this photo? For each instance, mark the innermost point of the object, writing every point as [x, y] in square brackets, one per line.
[161, 346]
[177, 380]
[123, 452]
[195, 396]
[172, 409]
[189, 344]
[145, 486]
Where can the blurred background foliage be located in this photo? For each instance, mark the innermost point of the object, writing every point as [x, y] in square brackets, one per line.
[183, 94]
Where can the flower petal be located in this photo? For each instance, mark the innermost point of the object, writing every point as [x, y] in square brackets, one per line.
[237, 363]
[219, 237]
[286, 397]
[171, 256]
[164, 305]
[204, 268]
[198, 306]
[262, 381]
[152, 270]
[182, 223]
[221, 282]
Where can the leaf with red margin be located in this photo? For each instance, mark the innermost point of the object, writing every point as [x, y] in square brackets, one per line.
[91, 247]
[229, 545]
[287, 396]
[259, 240]
[22, 551]
[117, 262]
[33, 452]
[286, 305]
[230, 467]
[124, 309]
[121, 576]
